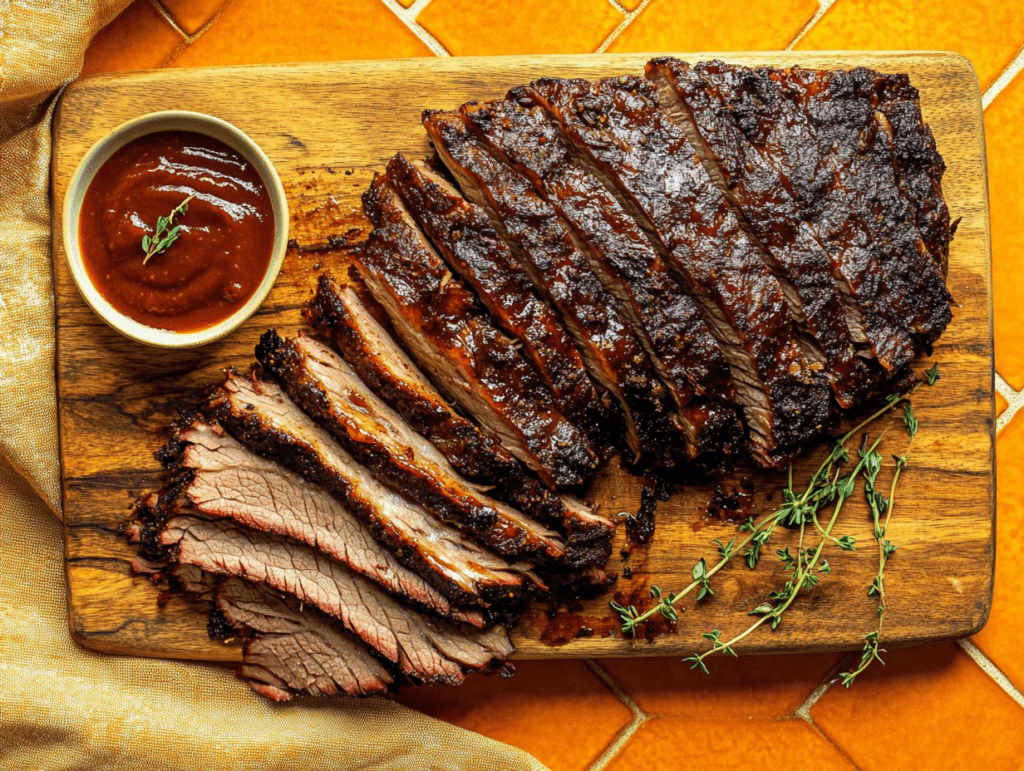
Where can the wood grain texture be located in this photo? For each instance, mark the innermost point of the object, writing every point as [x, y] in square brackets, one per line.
[327, 127]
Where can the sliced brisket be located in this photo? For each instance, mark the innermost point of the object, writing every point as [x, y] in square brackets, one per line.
[328, 389]
[439, 322]
[423, 648]
[835, 158]
[291, 649]
[797, 258]
[338, 313]
[464, 236]
[668, 322]
[561, 273]
[919, 166]
[258, 414]
[224, 479]
[619, 126]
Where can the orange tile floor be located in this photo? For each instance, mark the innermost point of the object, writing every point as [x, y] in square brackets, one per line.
[942, 706]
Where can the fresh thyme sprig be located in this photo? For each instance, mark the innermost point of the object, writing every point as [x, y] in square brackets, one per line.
[877, 503]
[162, 237]
[802, 565]
[796, 510]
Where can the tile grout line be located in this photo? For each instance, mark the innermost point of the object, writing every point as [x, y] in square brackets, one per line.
[1008, 74]
[823, 6]
[992, 670]
[408, 17]
[618, 6]
[1014, 399]
[626, 733]
[626, 21]
[159, 8]
[804, 710]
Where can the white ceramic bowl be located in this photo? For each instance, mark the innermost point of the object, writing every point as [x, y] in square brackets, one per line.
[172, 120]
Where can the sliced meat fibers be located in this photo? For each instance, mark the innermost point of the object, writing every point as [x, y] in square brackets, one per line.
[329, 390]
[619, 126]
[291, 649]
[669, 324]
[478, 367]
[338, 313]
[259, 414]
[799, 260]
[464, 236]
[421, 647]
[227, 480]
[561, 273]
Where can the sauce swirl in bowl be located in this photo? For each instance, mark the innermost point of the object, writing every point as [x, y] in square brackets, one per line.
[223, 247]
[175, 227]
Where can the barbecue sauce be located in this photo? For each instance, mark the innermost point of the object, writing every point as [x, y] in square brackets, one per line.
[223, 249]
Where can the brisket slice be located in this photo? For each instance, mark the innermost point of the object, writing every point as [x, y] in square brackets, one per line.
[825, 142]
[225, 479]
[797, 258]
[439, 322]
[328, 389]
[423, 648]
[258, 414]
[561, 273]
[919, 167]
[338, 313]
[861, 151]
[667, 321]
[618, 125]
[464, 236]
[291, 649]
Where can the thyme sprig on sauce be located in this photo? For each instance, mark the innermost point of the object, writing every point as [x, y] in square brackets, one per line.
[163, 237]
[797, 509]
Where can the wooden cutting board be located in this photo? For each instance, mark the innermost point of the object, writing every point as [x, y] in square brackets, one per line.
[327, 127]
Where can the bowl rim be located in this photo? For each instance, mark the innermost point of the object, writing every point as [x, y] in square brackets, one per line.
[93, 160]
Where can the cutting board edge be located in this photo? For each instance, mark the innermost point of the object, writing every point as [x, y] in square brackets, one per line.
[71, 93]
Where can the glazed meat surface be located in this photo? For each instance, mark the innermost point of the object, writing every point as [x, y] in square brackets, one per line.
[798, 259]
[667, 321]
[618, 124]
[463, 234]
[479, 368]
[561, 273]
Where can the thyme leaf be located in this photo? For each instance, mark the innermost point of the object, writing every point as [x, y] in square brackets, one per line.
[162, 238]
